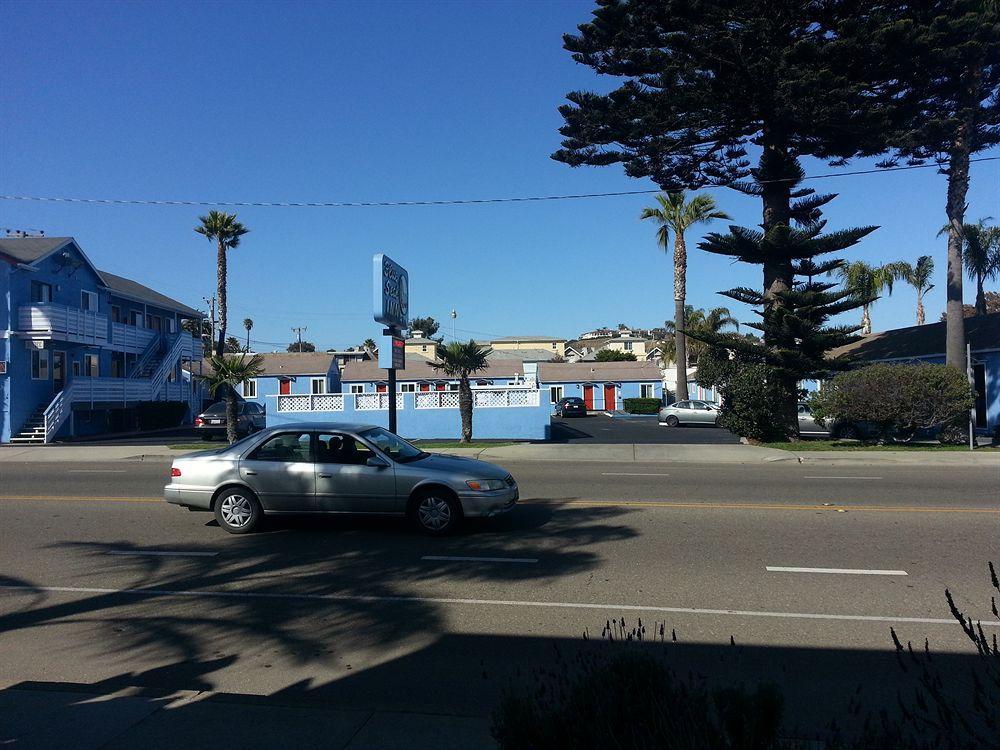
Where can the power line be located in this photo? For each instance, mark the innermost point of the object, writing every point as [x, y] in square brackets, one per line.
[448, 202]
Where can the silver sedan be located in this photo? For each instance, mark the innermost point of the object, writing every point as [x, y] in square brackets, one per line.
[689, 412]
[337, 468]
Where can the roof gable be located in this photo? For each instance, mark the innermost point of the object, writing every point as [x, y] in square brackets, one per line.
[982, 332]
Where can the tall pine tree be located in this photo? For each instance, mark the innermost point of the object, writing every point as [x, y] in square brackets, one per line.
[709, 84]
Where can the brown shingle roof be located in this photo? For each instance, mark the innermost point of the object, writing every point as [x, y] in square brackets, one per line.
[286, 363]
[982, 332]
[419, 368]
[581, 372]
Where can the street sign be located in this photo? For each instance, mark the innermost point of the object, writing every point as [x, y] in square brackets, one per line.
[392, 353]
[391, 287]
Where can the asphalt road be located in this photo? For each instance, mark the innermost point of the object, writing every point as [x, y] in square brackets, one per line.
[105, 585]
[598, 428]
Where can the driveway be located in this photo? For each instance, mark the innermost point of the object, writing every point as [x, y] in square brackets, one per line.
[598, 428]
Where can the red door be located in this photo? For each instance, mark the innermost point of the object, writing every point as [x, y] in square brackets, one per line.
[588, 397]
[609, 397]
[425, 387]
[284, 387]
[439, 387]
[381, 388]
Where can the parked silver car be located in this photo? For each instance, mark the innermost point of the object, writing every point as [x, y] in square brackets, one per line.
[337, 468]
[689, 412]
[809, 427]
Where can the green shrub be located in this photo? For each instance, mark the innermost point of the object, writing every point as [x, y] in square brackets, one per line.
[898, 400]
[620, 695]
[155, 415]
[641, 405]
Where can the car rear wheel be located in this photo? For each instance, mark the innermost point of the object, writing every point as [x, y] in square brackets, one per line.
[238, 511]
[671, 421]
[436, 513]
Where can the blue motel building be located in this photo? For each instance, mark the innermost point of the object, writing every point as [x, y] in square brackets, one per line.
[83, 349]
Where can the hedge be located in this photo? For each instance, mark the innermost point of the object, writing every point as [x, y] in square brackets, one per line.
[641, 405]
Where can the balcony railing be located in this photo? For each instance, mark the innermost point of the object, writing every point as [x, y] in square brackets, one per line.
[131, 339]
[63, 323]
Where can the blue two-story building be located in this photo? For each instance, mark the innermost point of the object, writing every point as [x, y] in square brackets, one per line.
[83, 349]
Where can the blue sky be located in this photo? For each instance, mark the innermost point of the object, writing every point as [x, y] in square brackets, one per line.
[365, 102]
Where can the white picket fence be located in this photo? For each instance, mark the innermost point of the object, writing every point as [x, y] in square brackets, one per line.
[483, 398]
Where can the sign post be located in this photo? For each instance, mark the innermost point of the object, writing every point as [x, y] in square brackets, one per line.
[391, 307]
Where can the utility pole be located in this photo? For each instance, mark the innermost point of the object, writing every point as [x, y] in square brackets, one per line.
[211, 306]
[454, 315]
[298, 330]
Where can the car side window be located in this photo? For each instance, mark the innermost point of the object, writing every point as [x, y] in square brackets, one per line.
[682, 405]
[333, 448]
[289, 447]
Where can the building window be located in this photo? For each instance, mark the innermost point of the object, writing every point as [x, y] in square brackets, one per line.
[171, 325]
[407, 387]
[88, 300]
[91, 365]
[116, 314]
[423, 347]
[357, 388]
[628, 346]
[554, 345]
[76, 368]
[555, 394]
[39, 364]
[250, 388]
[318, 386]
[647, 390]
[452, 386]
[41, 292]
[135, 318]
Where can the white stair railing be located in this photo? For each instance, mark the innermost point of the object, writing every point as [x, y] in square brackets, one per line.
[147, 355]
[57, 412]
[170, 361]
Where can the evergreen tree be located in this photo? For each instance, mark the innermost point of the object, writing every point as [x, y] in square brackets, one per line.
[942, 58]
[707, 81]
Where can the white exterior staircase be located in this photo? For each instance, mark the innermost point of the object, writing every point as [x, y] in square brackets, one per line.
[33, 430]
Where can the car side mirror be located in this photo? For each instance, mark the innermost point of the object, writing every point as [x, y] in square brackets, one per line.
[377, 462]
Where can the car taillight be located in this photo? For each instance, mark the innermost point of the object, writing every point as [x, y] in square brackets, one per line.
[175, 472]
[198, 421]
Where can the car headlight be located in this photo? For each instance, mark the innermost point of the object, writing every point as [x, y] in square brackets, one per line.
[486, 485]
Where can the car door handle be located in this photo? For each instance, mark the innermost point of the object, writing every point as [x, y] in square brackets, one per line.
[249, 473]
[324, 476]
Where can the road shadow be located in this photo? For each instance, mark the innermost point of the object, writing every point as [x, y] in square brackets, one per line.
[826, 691]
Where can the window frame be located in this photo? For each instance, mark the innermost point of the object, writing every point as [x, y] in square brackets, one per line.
[91, 365]
[92, 301]
[40, 286]
[552, 393]
[36, 362]
[248, 388]
[407, 387]
[357, 388]
[650, 386]
[322, 385]
[310, 450]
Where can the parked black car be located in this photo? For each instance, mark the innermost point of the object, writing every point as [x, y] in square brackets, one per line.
[571, 406]
[250, 417]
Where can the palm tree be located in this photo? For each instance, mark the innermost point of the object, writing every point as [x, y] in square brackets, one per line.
[919, 277]
[248, 324]
[226, 373]
[226, 231]
[369, 345]
[981, 256]
[233, 345]
[677, 216]
[866, 283]
[698, 322]
[460, 360]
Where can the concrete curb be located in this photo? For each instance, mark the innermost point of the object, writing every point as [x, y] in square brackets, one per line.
[585, 452]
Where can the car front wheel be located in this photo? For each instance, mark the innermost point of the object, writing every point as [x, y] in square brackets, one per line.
[238, 511]
[436, 513]
[671, 421]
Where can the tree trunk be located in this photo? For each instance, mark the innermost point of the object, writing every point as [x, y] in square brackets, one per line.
[221, 292]
[980, 296]
[465, 407]
[680, 292]
[231, 414]
[958, 188]
[778, 277]
[920, 307]
[866, 320]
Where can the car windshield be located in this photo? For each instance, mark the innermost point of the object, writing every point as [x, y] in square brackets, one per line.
[393, 445]
[573, 400]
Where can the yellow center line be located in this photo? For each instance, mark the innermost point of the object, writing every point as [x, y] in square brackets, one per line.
[72, 499]
[759, 506]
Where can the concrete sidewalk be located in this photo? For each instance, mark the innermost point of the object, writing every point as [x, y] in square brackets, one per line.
[44, 716]
[620, 453]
